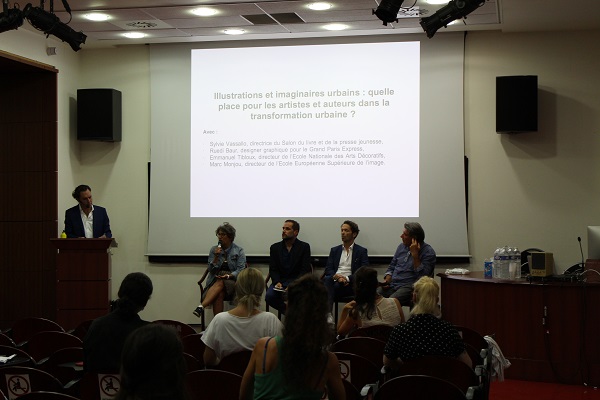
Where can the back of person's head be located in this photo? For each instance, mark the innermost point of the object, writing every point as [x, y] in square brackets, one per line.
[426, 294]
[152, 365]
[249, 287]
[365, 290]
[306, 331]
[134, 292]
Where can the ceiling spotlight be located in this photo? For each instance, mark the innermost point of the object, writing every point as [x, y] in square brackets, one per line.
[335, 27]
[10, 18]
[98, 17]
[319, 6]
[204, 11]
[455, 9]
[50, 24]
[234, 31]
[134, 35]
[388, 10]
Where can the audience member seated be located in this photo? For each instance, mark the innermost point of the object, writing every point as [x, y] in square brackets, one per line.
[240, 328]
[425, 333]
[225, 261]
[152, 365]
[296, 365]
[103, 343]
[369, 308]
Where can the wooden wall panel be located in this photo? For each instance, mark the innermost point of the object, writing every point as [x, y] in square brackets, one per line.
[28, 183]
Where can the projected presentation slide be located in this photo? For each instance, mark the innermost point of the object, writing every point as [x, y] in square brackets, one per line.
[318, 131]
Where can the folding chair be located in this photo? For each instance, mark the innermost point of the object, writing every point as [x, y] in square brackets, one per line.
[358, 370]
[418, 387]
[447, 368]
[22, 358]
[182, 328]
[47, 396]
[193, 344]
[17, 381]
[25, 328]
[213, 384]
[235, 362]
[379, 331]
[41, 345]
[369, 348]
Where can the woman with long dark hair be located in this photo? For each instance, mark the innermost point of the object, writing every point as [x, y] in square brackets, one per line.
[369, 307]
[296, 365]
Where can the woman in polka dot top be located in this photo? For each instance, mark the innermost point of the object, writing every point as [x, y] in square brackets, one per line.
[424, 333]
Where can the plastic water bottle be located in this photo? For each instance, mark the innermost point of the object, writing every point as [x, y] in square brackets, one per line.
[517, 258]
[504, 261]
[496, 263]
[512, 262]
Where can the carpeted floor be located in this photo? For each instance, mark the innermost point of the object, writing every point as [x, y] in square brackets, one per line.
[526, 390]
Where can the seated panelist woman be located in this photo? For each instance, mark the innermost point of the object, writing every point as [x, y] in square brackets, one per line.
[225, 261]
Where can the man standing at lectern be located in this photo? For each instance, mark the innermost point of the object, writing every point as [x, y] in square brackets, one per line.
[86, 220]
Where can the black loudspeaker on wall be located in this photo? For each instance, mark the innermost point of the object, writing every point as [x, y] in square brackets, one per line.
[99, 115]
[516, 104]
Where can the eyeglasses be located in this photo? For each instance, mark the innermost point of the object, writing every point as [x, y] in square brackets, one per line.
[221, 234]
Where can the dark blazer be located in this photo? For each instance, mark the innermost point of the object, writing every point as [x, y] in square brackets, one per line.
[300, 262]
[74, 225]
[360, 258]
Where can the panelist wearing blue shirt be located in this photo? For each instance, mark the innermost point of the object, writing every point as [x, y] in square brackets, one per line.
[413, 259]
[343, 261]
[86, 220]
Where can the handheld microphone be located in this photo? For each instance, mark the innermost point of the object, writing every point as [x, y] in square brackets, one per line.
[219, 244]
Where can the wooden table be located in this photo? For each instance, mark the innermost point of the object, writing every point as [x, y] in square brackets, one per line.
[549, 331]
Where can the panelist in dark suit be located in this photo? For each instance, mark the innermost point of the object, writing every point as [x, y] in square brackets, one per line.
[343, 261]
[85, 219]
[289, 260]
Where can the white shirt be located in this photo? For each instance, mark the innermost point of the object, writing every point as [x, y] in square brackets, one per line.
[88, 222]
[345, 266]
[227, 334]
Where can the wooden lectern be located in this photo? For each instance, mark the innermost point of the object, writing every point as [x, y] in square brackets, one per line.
[82, 280]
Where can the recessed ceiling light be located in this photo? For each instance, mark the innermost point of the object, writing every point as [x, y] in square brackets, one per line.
[97, 16]
[134, 35]
[234, 31]
[437, 1]
[335, 27]
[204, 11]
[319, 6]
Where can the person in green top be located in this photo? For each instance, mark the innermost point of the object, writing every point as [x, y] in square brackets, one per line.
[297, 365]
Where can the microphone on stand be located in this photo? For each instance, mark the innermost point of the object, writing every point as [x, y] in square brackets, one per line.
[577, 268]
[581, 250]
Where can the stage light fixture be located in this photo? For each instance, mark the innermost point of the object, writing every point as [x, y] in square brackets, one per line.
[10, 18]
[50, 24]
[455, 9]
[387, 11]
